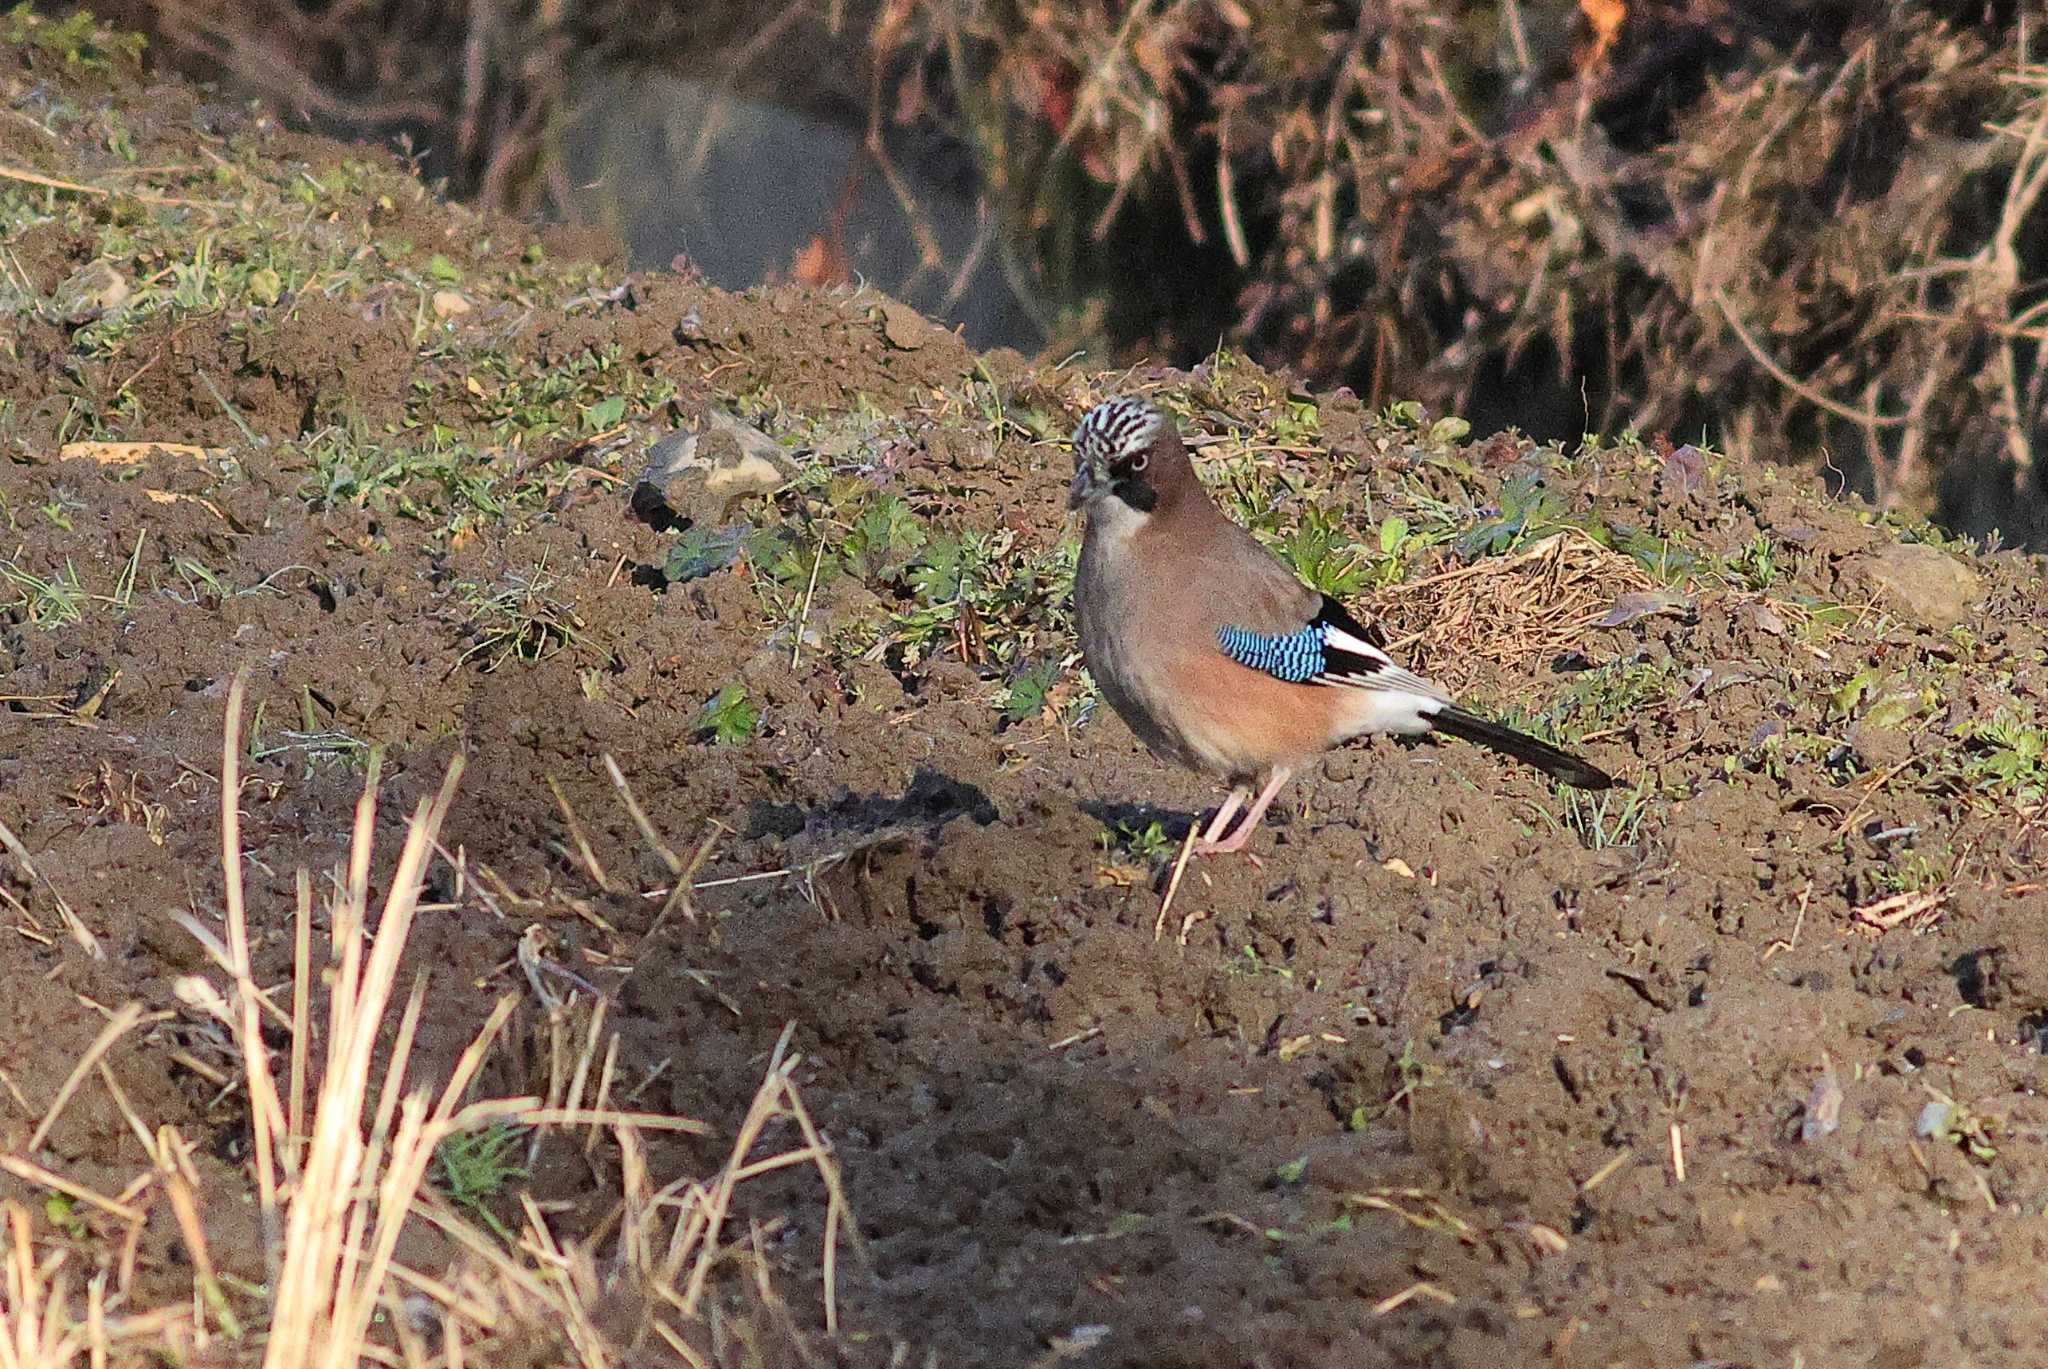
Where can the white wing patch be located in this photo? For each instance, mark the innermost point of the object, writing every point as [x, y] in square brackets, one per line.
[1379, 670]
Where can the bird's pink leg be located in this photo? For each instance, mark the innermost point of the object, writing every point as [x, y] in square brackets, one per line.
[1236, 840]
[1223, 815]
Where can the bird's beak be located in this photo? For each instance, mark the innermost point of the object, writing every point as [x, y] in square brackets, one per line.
[1082, 486]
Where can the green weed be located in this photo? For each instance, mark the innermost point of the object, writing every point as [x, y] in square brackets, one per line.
[520, 621]
[1029, 691]
[1755, 567]
[78, 40]
[1612, 817]
[1527, 509]
[2006, 757]
[1605, 697]
[1247, 963]
[728, 717]
[476, 1167]
[46, 603]
[1147, 843]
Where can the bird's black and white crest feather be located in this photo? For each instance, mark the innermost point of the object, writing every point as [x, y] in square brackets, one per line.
[1114, 430]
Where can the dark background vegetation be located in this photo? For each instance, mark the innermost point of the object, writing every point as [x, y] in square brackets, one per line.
[1804, 232]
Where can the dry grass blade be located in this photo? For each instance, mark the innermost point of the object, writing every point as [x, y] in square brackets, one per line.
[80, 933]
[1899, 909]
[248, 1030]
[328, 1287]
[123, 1022]
[31, 1172]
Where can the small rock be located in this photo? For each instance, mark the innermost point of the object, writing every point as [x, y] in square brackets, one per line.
[698, 474]
[1685, 469]
[1823, 1108]
[1921, 583]
[1761, 617]
[92, 291]
[902, 327]
[451, 304]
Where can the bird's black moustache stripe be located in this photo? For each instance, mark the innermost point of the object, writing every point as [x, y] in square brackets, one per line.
[1136, 493]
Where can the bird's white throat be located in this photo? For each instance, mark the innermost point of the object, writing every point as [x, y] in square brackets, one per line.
[1113, 521]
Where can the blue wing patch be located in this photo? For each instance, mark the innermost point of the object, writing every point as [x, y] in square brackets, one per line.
[1296, 657]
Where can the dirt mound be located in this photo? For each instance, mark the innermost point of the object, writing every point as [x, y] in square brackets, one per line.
[1738, 1063]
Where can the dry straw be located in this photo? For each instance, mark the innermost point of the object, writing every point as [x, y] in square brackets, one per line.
[1509, 614]
[341, 1152]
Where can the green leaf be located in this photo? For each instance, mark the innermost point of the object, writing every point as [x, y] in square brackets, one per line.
[1026, 696]
[1448, 430]
[941, 572]
[1849, 695]
[440, 268]
[700, 552]
[1393, 533]
[728, 717]
[606, 413]
[778, 554]
[1892, 710]
[884, 539]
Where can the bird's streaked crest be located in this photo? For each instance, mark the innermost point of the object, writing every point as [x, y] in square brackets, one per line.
[1114, 429]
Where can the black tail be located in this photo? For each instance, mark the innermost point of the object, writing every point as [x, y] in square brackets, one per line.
[1561, 765]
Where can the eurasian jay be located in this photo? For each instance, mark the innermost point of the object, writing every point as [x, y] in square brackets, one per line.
[1212, 650]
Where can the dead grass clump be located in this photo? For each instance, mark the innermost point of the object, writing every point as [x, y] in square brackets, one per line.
[1792, 227]
[342, 1142]
[1509, 615]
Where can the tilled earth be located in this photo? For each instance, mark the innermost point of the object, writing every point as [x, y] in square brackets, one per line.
[1745, 1073]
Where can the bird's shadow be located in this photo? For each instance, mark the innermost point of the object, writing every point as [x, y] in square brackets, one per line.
[1136, 817]
[933, 799]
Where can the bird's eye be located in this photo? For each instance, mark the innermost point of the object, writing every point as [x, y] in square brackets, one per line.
[1138, 462]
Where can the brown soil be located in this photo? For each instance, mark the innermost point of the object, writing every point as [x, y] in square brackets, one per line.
[1411, 1092]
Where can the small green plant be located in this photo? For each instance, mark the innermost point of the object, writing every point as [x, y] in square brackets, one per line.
[728, 717]
[1402, 413]
[1149, 842]
[883, 540]
[2007, 755]
[1412, 1074]
[1326, 555]
[1613, 817]
[77, 39]
[1602, 698]
[1527, 509]
[700, 552]
[1910, 872]
[46, 603]
[1030, 690]
[1399, 544]
[521, 621]
[605, 414]
[316, 738]
[477, 1167]
[1755, 567]
[62, 1213]
[1947, 1120]
[1249, 964]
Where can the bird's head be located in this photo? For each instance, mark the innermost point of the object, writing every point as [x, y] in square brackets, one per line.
[1127, 451]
